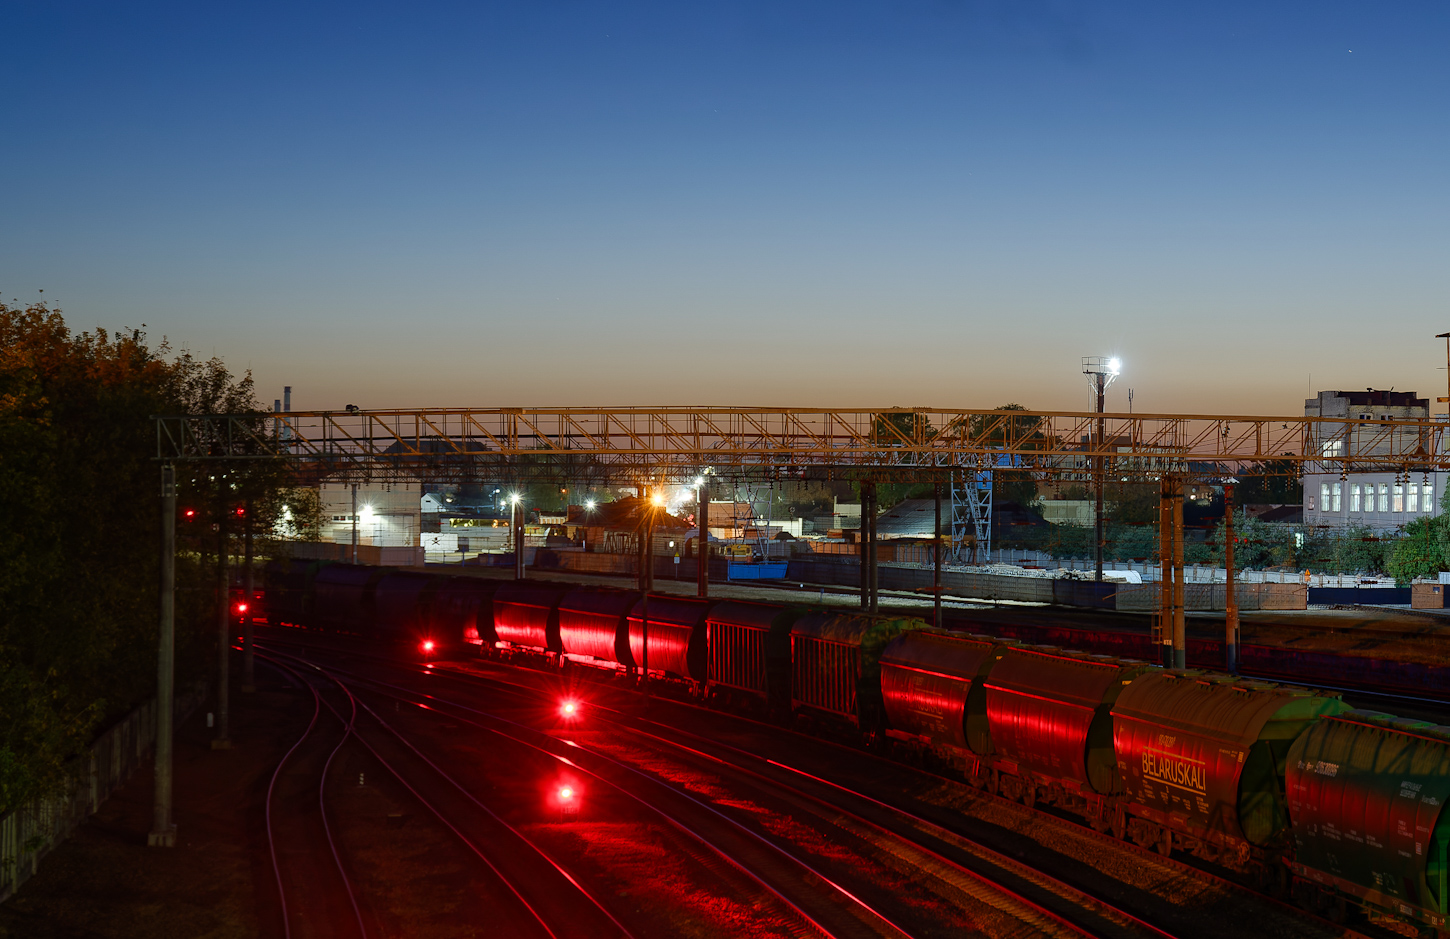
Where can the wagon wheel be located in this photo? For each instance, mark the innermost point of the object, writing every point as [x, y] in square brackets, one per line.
[1165, 842]
[1120, 823]
[1029, 794]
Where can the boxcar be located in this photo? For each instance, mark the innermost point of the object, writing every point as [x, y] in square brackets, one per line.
[592, 622]
[749, 654]
[1202, 759]
[835, 667]
[933, 694]
[1050, 714]
[344, 598]
[676, 636]
[1367, 793]
[526, 615]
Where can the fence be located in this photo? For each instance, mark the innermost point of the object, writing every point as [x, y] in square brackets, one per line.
[30, 832]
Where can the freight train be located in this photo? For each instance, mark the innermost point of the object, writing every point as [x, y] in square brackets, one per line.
[1289, 785]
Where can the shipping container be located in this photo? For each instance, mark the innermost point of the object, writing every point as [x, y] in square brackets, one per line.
[932, 691]
[1367, 793]
[1204, 754]
[1050, 713]
[676, 636]
[592, 623]
[526, 614]
[835, 664]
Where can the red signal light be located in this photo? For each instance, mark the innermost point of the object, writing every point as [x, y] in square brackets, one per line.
[241, 511]
[428, 645]
[241, 608]
[566, 793]
[569, 708]
[188, 514]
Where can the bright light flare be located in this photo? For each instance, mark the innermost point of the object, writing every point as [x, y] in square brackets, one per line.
[657, 499]
[241, 608]
[429, 645]
[590, 505]
[1115, 365]
[569, 708]
[566, 793]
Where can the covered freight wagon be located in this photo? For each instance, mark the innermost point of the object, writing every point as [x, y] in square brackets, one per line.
[289, 586]
[749, 653]
[676, 636]
[463, 607]
[1202, 758]
[526, 615]
[835, 665]
[1050, 714]
[344, 598]
[1367, 795]
[592, 624]
[933, 694]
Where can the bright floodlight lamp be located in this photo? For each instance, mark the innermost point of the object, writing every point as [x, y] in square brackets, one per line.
[1102, 367]
[699, 481]
[658, 500]
[515, 498]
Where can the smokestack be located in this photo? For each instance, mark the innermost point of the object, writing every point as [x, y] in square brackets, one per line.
[286, 397]
[276, 405]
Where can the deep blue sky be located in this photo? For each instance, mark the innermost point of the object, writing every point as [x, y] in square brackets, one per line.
[856, 205]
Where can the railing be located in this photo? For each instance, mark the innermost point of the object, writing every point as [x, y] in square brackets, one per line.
[30, 832]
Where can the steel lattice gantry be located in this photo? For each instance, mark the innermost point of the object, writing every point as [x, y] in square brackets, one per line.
[675, 443]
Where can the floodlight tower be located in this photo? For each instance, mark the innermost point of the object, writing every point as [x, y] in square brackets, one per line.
[1100, 371]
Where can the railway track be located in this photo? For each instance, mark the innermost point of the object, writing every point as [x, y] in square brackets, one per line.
[533, 880]
[934, 830]
[959, 867]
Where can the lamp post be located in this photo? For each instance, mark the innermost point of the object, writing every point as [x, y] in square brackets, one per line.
[1100, 372]
[702, 543]
[1446, 399]
[516, 522]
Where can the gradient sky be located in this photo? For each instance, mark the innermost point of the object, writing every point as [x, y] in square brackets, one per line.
[830, 204]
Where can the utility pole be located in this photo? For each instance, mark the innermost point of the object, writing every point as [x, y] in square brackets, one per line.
[163, 832]
[702, 544]
[1231, 603]
[224, 629]
[516, 521]
[1100, 373]
[936, 559]
[249, 682]
[646, 583]
[354, 523]
[1446, 399]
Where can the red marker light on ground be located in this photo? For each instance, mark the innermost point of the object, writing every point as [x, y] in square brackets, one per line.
[566, 793]
[241, 608]
[427, 645]
[569, 708]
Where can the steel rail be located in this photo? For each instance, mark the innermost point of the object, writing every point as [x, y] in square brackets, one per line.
[1150, 855]
[437, 813]
[322, 810]
[434, 703]
[993, 856]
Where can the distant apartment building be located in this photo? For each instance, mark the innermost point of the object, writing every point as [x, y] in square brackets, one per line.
[1377, 500]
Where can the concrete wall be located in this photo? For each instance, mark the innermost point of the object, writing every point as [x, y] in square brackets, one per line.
[1207, 597]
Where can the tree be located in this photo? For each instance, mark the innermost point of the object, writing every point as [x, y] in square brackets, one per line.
[79, 565]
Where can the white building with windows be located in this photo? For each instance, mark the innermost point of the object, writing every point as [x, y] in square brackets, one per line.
[388, 514]
[1381, 501]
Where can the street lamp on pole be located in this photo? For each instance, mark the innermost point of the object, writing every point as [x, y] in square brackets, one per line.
[1446, 399]
[1100, 371]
